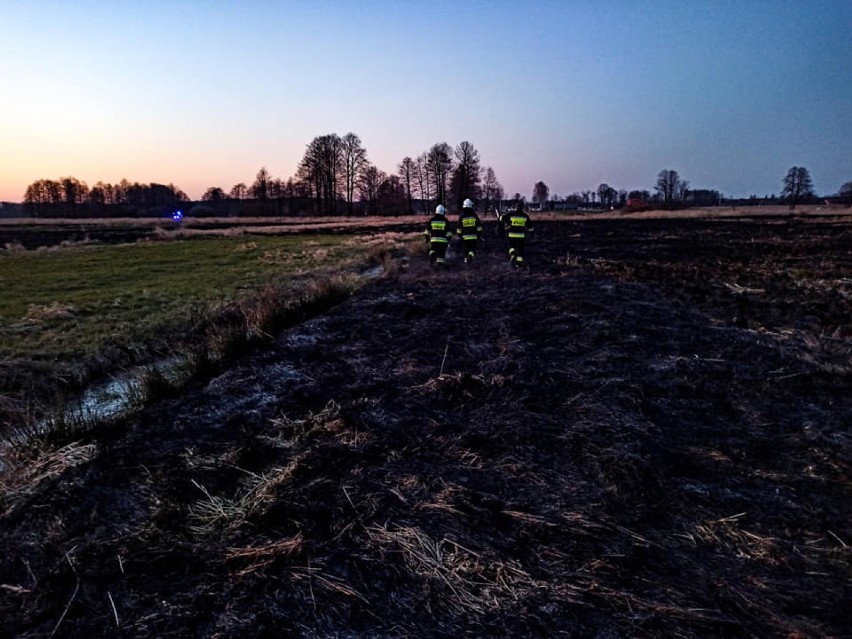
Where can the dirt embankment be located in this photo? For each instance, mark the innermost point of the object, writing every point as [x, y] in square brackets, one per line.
[645, 434]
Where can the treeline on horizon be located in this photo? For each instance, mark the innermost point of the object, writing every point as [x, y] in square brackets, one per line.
[334, 177]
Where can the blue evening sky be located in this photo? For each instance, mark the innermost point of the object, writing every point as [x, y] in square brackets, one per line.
[203, 93]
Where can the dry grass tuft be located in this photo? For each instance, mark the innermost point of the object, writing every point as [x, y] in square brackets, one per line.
[215, 512]
[462, 387]
[162, 234]
[257, 557]
[278, 256]
[23, 473]
[725, 534]
[297, 430]
[12, 247]
[475, 582]
[252, 319]
[44, 312]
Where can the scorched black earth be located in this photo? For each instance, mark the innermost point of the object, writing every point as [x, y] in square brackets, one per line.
[645, 434]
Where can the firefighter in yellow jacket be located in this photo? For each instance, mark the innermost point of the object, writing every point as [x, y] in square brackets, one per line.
[438, 235]
[469, 228]
[517, 225]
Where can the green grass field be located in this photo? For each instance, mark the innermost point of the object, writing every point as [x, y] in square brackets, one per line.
[69, 302]
[72, 311]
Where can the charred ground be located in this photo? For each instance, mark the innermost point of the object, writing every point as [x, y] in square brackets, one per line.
[645, 434]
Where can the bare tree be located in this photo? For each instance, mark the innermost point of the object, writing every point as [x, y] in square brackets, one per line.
[308, 174]
[44, 192]
[369, 184]
[121, 191]
[303, 188]
[41, 195]
[797, 185]
[115, 194]
[423, 180]
[332, 148]
[607, 195]
[238, 191]
[260, 189]
[540, 194]
[69, 195]
[406, 172]
[492, 191]
[97, 196]
[74, 193]
[467, 174]
[353, 158]
[391, 196]
[439, 164]
[671, 188]
[276, 188]
[135, 195]
[178, 194]
[213, 194]
[320, 168]
[105, 193]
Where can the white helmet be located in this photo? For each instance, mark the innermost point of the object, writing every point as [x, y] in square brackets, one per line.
[467, 204]
[440, 210]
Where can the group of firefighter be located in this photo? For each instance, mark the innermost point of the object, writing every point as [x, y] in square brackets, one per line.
[516, 225]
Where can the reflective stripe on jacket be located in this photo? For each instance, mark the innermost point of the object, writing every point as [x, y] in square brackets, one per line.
[519, 225]
[470, 226]
[438, 229]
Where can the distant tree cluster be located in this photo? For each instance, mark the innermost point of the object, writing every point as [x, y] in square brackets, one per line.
[671, 191]
[335, 177]
[541, 193]
[70, 197]
[334, 170]
[798, 186]
[671, 188]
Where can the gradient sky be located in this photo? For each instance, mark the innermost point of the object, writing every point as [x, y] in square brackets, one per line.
[730, 93]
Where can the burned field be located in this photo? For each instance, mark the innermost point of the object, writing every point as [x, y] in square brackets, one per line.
[645, 434]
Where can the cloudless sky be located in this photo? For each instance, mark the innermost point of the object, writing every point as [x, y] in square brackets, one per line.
[730, 93]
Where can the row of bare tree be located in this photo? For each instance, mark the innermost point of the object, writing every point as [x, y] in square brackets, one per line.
[336, 175]
[333, 177]
[69, 195]
[672, 191]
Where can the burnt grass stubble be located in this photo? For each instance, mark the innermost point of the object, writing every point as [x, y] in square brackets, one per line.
[644, 434]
